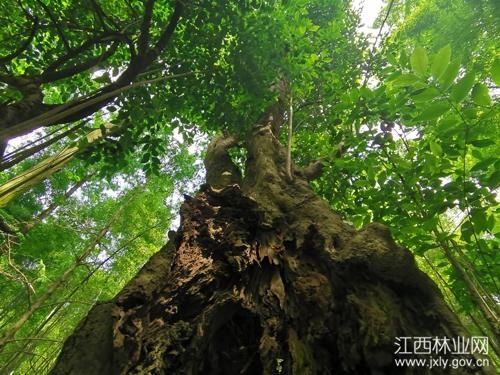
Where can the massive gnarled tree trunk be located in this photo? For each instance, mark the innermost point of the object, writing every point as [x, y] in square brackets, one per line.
[262, 278]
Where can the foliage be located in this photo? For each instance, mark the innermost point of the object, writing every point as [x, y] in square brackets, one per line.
[418, 115]
[424, 161]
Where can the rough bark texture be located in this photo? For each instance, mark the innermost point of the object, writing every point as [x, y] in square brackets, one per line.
[262, 278]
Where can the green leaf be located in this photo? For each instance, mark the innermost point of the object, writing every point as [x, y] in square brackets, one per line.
[494, 179]
[419, 61]
[483, 165]
[430, 223]
[482, 142]
[479, 219]
[467, 231]
[441, 61]
[462, 88]
[495, 72]
[434, 110]
[425, 95]
[448, 125]
[435, 148]
[405, 80]
[146, 157]
[450, 74]
[480, 94]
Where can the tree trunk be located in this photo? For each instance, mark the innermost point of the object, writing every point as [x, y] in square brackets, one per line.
[263, 278]
[24, 181]
[60, 282]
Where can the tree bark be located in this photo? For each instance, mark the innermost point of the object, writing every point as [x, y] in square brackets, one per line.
[263, 278]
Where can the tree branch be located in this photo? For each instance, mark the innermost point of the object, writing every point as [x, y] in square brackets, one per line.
[289, 145]
[51, 70]
[142, 43]
[103, 16]
[56, 24]
[167, 33]
[75, 110]
[38, 114]
[316, 168]
[8, 162]
[221, 171]
[72, 70]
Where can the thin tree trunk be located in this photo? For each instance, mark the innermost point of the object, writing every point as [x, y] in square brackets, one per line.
[41, 331]
[6, 310]
[484, 328]
[17, 157]
[47, 167]
[263, 278]
[13, 238]
[55, 204]
[18, 357]
[289, 143]
[59, 283]
[488, 312]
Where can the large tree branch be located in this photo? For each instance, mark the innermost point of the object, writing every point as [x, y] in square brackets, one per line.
[75, 69]
[36, 114]
[103, 17]
[75, 110]
[316, 168]
[9, 161]
[52, 74]
[19, 82]
[221, 171]
[144, 36]
[167, 33]
[142, 60]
